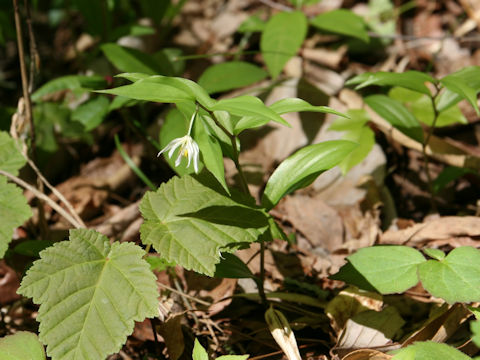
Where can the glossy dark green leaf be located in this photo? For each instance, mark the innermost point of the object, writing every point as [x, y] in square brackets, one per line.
[396, 114]
[303, 167]
[231, 267]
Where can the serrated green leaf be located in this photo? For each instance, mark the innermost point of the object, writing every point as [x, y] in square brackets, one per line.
[14, 211]
[70, 82]
[230, 75]
[11, 159]
[342, 21]
[130, 60]
[190, 220]
[247, 105]
[413, 80]
[429, 350]
[454, 279]
[303, 167]
[397, 115]
[282, 37]
[92, 112]
[199, 353]
[90, 294]
[388, 269]
[23, 345]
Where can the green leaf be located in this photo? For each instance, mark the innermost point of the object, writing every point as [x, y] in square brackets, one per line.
[32, 247]
[190, 220]
[289, 105]
[130, 60]
[356, 119]
[150, 91]
[470, 76]
[343, 22]
[70, 82]
[388, 269]
[23, 345]
[233, 357]
[449, 174]
[230, 266]
[436, 254]
[252, 24]
[199, 353]
[413, 80]
[282, 38]
[459, 86]
[11, 159]
[247, 105]
[365, 138]
[230, 75]
[90, 294]
[475, 329]
[429, 350]
[397, 115]
[455, 278]
[92, 112]
[303, 167]
[14, 211]
[211, 151]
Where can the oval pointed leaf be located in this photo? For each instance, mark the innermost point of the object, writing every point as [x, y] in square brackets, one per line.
[281, 39]
[461, 88]
[456, 278]
[343, 22]
[23, 345]
[396, 114]
[90, 294]
[303, 167]
[14, 211]
[70, 82]
[413, 80]
[247, 105]
[230, 75]
[189, 221]
[429, 350]
[470, 76]
[130, 60]
[289, 105]
[388, 269]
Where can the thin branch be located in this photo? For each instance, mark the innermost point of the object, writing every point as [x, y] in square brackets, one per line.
[181, 293]
[34, 57]
[43, 197]
[23, 72]
[277, 6]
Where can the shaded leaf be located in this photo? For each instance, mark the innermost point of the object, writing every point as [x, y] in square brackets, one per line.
[281, 39]
[190, 220]
[230, 75]
[130, 60]
[230, 266]
[92, 112]
[455, 278]
[289, 105]
[342, 21]
[70, 82]
[90, 294]
[303, 167]
[460, 87]
[11, 159]
[22, 345]
[397, 115]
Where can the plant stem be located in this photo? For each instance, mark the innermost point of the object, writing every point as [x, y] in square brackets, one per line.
[424, 151]
[246, 190]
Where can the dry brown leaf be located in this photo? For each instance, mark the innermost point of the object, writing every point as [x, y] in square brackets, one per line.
[367, 354]
[9, 283]
[171, 331]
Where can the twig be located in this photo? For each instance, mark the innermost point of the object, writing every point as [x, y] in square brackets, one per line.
[23, 72]
[43, 197]
[181, 293]
[34, 57]
[185, 299]
[277, 6]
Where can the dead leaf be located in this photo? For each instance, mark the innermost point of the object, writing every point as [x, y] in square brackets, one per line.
[9, 283]
[171, 331]
[367, 354]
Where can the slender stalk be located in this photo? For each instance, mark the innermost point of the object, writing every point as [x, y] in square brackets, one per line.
[23, 73]
[424, 151]
[43, 197]
[244, 185]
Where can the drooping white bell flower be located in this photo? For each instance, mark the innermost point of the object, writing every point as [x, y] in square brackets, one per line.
[188, 148]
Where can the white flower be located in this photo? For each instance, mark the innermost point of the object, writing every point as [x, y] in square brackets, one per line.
[188, 147]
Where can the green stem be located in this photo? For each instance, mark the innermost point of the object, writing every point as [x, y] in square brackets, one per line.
[244, 185]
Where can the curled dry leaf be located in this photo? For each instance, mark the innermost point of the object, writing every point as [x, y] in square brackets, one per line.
[282, 333]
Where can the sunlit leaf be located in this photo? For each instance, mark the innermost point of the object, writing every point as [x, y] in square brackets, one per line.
[342, 21]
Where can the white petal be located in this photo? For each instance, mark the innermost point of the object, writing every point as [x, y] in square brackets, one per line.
[175, 143]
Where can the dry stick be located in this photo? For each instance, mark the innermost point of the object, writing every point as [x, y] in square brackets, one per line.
[23, 72]
[34, 57]
[185, 295]
[43, 197]
[57, 193]
[186, 302]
